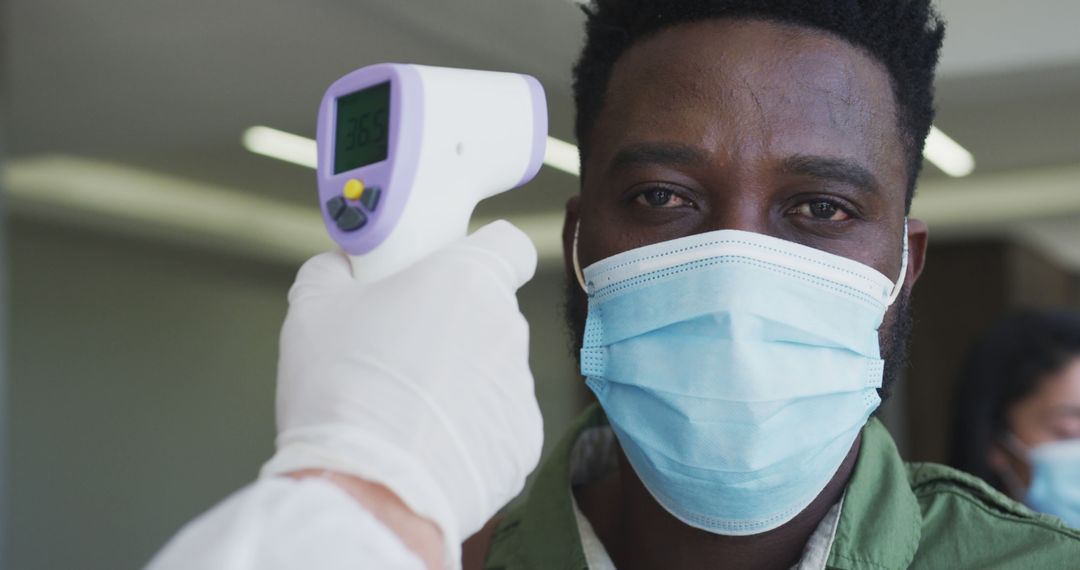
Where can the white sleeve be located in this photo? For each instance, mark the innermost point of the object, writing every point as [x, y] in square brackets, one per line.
[279, 523]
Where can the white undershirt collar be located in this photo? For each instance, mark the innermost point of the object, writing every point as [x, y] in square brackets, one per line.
[594, 456]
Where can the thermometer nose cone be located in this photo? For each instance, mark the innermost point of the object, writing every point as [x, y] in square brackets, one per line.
[540, 128]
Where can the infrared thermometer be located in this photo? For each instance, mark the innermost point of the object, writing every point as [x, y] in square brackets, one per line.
[405, 152]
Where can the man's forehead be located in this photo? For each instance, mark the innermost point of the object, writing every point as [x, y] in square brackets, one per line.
[770, 83]
[771, 54]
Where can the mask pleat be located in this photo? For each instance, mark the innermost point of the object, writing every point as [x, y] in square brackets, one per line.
[756, 303]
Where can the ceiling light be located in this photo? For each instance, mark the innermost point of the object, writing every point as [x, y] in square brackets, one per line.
[947, 154]
[562, 155]
[281, 145]
[79, 192]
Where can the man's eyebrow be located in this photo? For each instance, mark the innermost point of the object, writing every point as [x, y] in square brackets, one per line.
[828, 168]
[657, 153]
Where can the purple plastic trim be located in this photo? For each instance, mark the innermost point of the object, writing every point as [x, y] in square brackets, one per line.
[395, 174]
[540, 128]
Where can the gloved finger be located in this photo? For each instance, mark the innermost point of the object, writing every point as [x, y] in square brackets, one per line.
[512, 249]
[325, 272]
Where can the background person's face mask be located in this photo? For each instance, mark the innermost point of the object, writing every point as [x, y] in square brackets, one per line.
[1055, 477]
[736, 370]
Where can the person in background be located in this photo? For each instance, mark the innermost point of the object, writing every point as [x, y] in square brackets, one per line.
[1017, 420]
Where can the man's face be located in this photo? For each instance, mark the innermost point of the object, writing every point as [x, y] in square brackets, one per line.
[748, 125]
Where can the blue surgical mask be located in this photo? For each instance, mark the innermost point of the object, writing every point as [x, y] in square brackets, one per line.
[736, 370]
[1055, 477]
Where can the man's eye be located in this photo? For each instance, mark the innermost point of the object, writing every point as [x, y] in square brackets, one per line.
[662, 198]
[821, 210]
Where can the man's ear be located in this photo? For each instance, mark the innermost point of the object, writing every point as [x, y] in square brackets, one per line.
[918, 240]
[570, 221]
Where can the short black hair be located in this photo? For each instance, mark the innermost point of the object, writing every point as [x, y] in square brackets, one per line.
[904, 35]
[1004, 367]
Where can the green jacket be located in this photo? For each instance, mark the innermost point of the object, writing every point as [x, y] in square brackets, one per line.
[894, 515]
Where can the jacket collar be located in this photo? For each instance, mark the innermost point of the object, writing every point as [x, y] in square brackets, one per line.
[547, 533]
[881, 522]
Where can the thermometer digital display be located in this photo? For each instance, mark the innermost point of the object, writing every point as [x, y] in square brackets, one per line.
[362, 131]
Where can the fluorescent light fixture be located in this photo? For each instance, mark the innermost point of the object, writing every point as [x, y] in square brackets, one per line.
[947, 154]
[296, 149]
[79, 192]
[562, 155]
[281, 145]
[119, 198]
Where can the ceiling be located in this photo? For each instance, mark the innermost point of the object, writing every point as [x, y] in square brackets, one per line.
[169, 86]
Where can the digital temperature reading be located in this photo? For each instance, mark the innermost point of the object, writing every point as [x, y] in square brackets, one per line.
[362, 129]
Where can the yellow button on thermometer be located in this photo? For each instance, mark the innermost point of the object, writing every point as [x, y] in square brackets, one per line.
[353, 189]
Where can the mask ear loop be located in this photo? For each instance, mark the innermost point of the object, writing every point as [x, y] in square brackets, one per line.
[1010, 477]
[899, 286]
[574, 258]
[1016, 446]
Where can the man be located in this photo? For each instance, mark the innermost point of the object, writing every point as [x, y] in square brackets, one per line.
[799, 120]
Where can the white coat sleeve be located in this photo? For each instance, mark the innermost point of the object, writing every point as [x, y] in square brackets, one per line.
[279, 523]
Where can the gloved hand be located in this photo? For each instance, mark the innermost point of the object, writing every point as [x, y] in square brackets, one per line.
[419, 382]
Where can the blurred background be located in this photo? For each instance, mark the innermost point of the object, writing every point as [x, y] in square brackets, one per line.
[148, 252]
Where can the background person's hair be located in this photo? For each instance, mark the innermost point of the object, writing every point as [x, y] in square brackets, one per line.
[1004, 367]
[903, 35]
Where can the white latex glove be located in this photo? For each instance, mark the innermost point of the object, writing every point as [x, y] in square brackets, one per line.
[419, 382]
